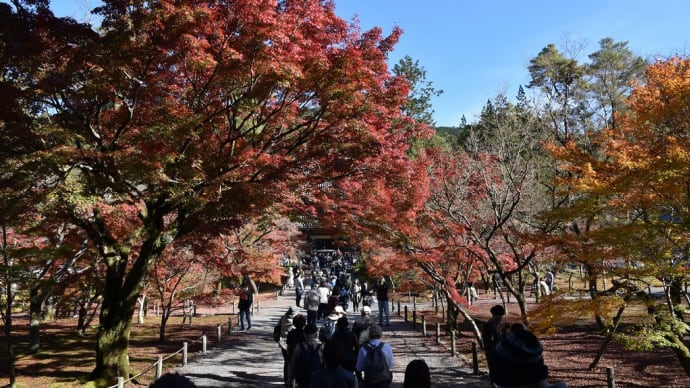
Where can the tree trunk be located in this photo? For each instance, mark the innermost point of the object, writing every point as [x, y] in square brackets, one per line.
[81, 322]
[122, 286]
[35, 304]
[440, 282]
[451, 315]
[161, 330]
[608, 339]
[112, 343]
[115, 321]
[7, 318]
[519, 294]
[681, 350]
[675, 294]
[468, 318]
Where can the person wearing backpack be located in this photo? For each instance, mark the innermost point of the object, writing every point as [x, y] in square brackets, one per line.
[329, 325]
[375, 361]
[311, 303]
[306, 359]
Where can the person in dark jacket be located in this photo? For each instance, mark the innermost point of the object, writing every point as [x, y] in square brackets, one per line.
[382, 300]
[245, 306]
[332, 374]
[493, 331]
[518, 362]
[296, 335]
[344, 335]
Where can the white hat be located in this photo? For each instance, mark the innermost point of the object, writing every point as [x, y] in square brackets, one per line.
[339, 310]
[366, 310]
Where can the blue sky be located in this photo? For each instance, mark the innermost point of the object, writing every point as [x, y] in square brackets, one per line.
[473, 50]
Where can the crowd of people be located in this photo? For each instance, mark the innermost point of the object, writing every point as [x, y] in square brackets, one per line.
[324, 348]
[341, 354]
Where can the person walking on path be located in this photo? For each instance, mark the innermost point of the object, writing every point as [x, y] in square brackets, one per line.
[344, 335]
[417, 375]
[296, 335]
[367, 294]
[306, 359]
[548, 278]
[285, 327]
[245, 306]
[332, 374]
[493, 332]
[311, 303]
[299, 287]
[356, 295]
[361, 327]
[379, 375]
[324, 293]
[382, 300]
[496, 284]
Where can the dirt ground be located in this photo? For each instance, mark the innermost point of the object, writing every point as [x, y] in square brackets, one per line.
[569, 352]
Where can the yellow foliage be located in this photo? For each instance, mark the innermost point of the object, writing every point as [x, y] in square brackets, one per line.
[558, 311]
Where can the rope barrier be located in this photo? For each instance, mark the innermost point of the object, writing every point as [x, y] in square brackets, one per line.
[158, 365]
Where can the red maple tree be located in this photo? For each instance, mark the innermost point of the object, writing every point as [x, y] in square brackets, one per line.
[182, 117]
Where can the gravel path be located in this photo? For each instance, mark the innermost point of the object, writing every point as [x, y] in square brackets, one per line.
[252, 359]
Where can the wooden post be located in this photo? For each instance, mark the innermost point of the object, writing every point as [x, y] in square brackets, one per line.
[475, 359]
[423, 326]
[203, 344]
[406, 314]
[120, 382]
[414, 317]
[436, 302]
[453, 350]
[610, 377]
[184, 353]
[438, 333]
[159, 367]
[414, 302]
[218, 329]
[229, 324]
[398, 308]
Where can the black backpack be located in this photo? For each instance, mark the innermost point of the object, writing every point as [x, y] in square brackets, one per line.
[327, 330]
[376, 369]
[309, 361]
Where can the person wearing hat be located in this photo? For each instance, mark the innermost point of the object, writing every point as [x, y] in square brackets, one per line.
[329, 326]
[493, 331]
[361, 326]
[517, 362]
